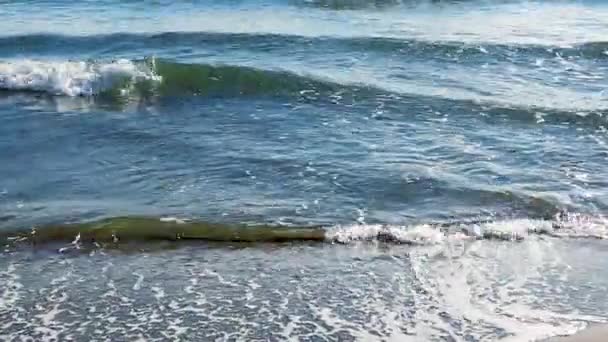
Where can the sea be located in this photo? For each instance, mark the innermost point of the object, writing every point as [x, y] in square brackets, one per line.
[303, 170]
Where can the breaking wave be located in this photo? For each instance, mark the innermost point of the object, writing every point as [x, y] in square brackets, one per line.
[113, 231]
[72, 78]
[152, 77]
[123, 80]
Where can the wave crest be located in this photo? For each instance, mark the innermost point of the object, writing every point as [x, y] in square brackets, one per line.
[152, 77]
[73, 78]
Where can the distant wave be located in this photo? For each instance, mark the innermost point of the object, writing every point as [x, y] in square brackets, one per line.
[408, 47]
[112, 232]
[381, 4]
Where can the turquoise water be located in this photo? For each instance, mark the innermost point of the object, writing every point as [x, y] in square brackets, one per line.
[306, 170]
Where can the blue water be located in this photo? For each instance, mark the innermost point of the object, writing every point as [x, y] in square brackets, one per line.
[443, 124]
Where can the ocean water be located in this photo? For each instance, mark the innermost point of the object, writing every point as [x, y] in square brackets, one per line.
[306, 170]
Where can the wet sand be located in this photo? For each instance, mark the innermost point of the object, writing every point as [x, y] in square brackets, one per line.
[595, 333]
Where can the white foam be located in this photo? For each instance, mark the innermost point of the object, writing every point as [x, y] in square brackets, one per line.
[516, 229]
[487, 287]
[71, 78]
[173, 220]
[567, 226]
[574, 225]
[416, 235]
[11, 287]
[138, 282]
[159, 292]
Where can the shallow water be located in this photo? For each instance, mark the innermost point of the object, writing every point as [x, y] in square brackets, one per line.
[316, 170]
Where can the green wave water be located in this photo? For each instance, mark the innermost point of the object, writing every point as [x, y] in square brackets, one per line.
[142, 229]
[226, 80]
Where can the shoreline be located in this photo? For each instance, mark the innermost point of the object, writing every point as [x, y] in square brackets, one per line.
[593, 333]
